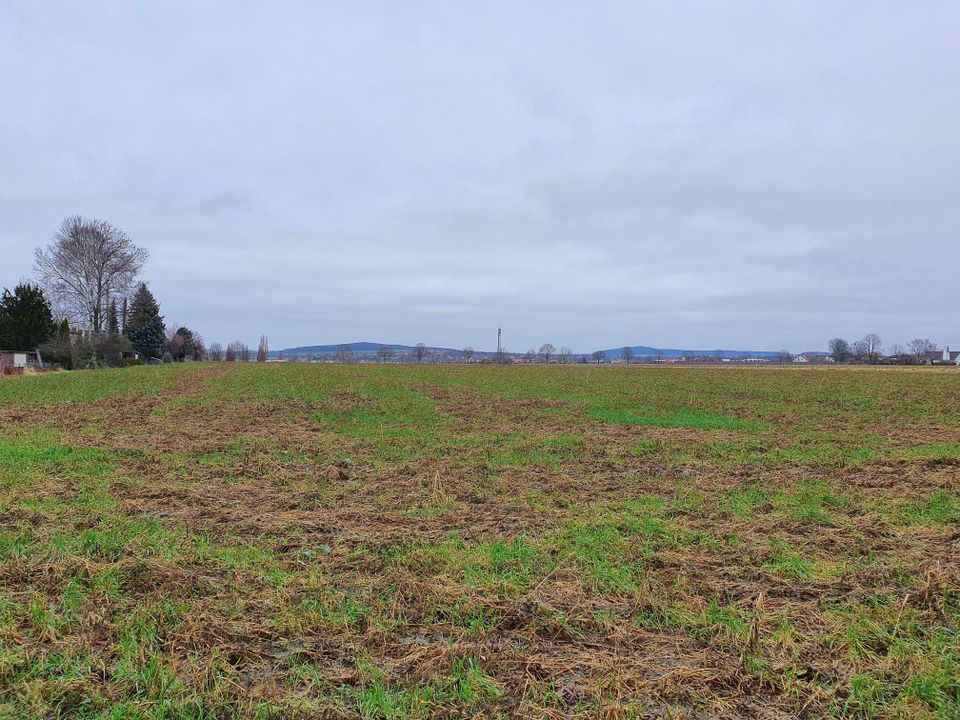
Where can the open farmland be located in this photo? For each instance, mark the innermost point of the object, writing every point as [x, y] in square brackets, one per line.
[220, 540]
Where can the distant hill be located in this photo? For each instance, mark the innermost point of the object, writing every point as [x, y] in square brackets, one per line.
[645, 351]
[357, 348]
[370, 348]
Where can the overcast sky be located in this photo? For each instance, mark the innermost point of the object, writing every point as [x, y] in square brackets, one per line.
[741, 175]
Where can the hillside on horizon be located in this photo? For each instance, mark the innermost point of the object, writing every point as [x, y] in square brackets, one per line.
[366, 347]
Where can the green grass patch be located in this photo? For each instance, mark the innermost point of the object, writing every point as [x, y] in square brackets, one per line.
[692, 418]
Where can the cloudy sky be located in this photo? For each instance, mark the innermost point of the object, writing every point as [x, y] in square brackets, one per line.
[752, 175]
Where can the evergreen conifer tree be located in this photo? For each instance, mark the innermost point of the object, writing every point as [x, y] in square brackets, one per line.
[144, 325]
[113, 323]
[25, 318]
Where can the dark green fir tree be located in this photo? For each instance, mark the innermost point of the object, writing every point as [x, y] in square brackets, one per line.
[144, 325]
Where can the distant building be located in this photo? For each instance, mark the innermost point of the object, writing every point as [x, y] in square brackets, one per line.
[19, 359]
[941, 357]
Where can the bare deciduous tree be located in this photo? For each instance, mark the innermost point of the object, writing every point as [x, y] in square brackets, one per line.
[263, 349]
[88, 263]
[873, 346]
[860, 351]
[599, 356]
[784, 357]
[175, 346]
[839, 350]
[216, 352]
[467, 353]
[546, 352]
[385, 352]
[420, 352]
[237, 352]
[344, 355]
[627, 354]
[565, 354]
[919, 347]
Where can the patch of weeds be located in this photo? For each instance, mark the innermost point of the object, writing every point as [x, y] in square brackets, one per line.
[809, 502]
[184, 402]
[603, 550]
[25, 459]
[334, 608]
[721, 619]
[512, 562]
[692, 418]
[464, 688]
[929, 451]
[469, 683]
[783, 561]
[743, 504]
[938, 509]
[826, 452]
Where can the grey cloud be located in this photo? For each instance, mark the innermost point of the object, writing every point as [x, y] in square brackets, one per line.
[666, 173]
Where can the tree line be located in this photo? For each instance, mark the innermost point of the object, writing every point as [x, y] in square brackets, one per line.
[870, 350]
[88, 307]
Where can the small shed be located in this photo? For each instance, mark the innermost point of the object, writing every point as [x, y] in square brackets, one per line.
[19, 359]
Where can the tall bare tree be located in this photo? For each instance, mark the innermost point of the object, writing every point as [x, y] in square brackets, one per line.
[873, 346]
[546, 352]
[344, 354]
[565, 355]
[467, 353]
[919, 347]
[385, 352]
[599, 356]
[88, 263]
[420, 352]
[900, 354]
[860, 352]
[237, 352]
[263, 349]
[175, 346]
[840, 350]
[216, 352]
